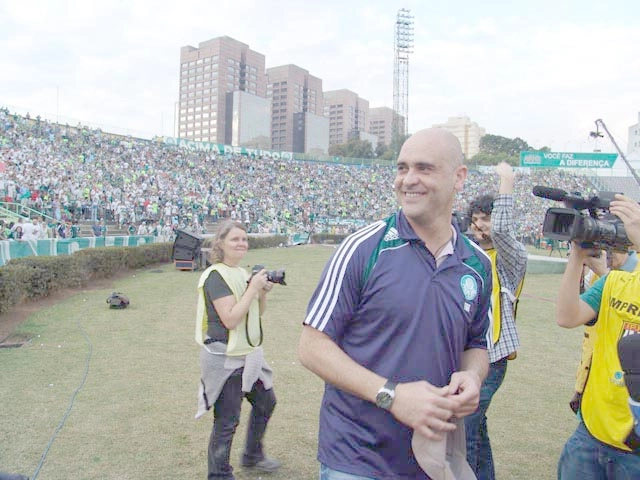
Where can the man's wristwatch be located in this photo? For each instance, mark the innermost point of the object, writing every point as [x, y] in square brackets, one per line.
[385, 395]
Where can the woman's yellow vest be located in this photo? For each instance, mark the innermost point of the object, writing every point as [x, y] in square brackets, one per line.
[247, 335]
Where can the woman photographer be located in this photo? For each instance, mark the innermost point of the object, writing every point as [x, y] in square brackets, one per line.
[230, 303]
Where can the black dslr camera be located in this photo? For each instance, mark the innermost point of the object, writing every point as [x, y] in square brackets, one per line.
[594, 228]
[275, 276]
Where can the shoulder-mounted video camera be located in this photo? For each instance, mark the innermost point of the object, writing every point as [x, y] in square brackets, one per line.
[583, 220]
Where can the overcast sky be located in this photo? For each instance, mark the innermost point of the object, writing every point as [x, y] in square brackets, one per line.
[543, 72]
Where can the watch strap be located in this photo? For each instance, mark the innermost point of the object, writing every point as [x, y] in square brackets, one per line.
[391, 387]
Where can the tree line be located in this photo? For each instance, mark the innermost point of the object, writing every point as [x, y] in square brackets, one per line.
[493, 149]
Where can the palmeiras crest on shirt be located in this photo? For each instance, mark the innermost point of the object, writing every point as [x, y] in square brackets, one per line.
[469, 286]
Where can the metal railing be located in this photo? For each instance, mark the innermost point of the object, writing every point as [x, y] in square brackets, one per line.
[14, 211]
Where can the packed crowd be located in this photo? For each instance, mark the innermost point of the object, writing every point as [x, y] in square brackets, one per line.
[81, 174]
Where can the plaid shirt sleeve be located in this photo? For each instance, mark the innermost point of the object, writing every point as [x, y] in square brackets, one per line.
[511, 264]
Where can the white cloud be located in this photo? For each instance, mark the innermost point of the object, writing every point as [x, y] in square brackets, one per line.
[516, 72]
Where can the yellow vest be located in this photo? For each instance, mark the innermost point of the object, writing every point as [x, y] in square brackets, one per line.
[246, 336]
[582, 373]
[495, 295]
[604, 408]
[496, 323]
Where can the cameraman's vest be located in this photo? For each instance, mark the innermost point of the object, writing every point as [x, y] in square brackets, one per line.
[604, 408]
[582, 374]
[247, 335]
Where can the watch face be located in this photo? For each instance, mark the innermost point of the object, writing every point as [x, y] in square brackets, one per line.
[384, 400]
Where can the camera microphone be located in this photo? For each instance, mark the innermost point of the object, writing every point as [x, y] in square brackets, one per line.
[550, 193]
[559, 195]
[629, 355]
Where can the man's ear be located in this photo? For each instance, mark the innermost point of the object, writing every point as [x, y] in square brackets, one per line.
[461, 176]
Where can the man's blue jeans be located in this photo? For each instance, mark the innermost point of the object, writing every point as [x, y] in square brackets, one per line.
[328, 474]
[586, 458]
[479, 453]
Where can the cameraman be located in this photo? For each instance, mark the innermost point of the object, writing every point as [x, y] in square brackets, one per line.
[493, 229]
[597, 448]
[596, 267]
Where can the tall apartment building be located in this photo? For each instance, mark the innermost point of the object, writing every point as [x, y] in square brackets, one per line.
[296, 110]
[209, 73]
[633, 142]
[348, 115]
[633, 147]
[468, 132]
[381, 124]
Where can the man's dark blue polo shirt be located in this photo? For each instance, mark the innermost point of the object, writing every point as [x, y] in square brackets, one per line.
[383, 300]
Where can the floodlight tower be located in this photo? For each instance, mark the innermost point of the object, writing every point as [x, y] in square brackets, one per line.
[403, 46]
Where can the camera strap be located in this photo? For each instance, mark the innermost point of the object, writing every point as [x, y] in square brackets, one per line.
[246, 332]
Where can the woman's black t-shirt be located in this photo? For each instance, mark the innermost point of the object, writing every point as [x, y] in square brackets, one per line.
[215, 287]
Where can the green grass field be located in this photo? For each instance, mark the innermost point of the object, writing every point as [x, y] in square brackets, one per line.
[134, 416]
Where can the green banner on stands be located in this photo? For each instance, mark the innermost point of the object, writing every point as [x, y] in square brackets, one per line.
[567, 159]
[64, 246]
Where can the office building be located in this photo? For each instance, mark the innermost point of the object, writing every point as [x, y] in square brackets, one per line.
[633, 142]
[468, 132]
[381, 124]
[248, 121]
[218, 67]
[292, 90]
[310, 133]
[348, 115]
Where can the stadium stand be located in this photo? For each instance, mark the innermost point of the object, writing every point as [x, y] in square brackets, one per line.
[108, 183]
